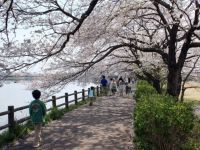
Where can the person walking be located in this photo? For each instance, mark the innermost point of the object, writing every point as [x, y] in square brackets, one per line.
[37, 110]
[91, 95]
[109, 89]
[121, 87]
[104, 85]
[113, 86]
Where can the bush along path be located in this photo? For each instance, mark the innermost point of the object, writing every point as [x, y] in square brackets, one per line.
[161, 123]
[105, 125]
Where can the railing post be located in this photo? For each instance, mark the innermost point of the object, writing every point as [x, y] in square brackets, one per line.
[97, 91]
[54, 101]
[83, 94]
[75, 97]
[66, 100]
[88, 92]
[11, 120]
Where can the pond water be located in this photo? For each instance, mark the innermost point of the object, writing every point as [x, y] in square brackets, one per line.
[18, 94]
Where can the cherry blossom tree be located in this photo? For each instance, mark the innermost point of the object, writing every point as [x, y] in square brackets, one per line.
[169, 29]
[49, 25]
[35, 31]
[74, 38]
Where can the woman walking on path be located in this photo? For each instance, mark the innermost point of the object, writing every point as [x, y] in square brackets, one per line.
[113, 86]
[121, 86]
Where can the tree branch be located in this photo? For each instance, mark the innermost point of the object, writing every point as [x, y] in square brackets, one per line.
[83, 17]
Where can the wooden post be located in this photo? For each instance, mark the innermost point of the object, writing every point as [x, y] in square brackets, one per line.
[88, 92]
[66, 100]
[11, 120]
[97, 91]
[54, 101]
[83, 94]
[75, 97]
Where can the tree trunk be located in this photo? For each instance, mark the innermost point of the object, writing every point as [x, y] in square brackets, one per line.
[156, 85]
[174, 82]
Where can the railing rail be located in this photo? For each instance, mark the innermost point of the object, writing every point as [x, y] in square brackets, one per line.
[78, 96]
[4, 113]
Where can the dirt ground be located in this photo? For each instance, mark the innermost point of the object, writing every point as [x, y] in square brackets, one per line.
[192, 93]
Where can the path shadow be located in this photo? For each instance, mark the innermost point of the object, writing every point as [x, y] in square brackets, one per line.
[107, 125]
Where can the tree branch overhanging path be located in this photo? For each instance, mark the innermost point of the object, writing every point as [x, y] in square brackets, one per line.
[156, 39]
[65, 35]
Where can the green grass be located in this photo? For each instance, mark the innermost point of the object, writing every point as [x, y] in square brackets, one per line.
[17, 132]
[193, 101]
[193, 142]
[56, 113]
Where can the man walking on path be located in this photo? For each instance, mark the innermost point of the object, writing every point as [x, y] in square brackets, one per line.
[104, 85]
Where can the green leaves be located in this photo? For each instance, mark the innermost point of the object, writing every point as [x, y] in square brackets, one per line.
[160, 122]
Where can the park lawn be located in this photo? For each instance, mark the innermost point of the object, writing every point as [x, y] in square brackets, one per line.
[192, 93]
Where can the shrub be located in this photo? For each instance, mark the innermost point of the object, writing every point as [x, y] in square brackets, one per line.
[143, 89]
[161, 123]
[193, 141]
[56, 114]
[6, 137]
[17, 132]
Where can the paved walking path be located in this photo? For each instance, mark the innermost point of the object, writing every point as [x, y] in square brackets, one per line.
[107, 125]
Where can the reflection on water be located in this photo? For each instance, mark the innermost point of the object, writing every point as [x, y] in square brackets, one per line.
[17, 94]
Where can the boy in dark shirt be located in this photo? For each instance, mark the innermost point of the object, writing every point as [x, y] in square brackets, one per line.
[37, 110]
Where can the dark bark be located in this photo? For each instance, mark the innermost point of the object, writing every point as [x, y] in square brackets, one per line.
[174, 68]
[174, 82]
[154, 81]
[174, 77]
[156, 85]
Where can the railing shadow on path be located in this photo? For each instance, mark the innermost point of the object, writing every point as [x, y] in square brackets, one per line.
[107, 125]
